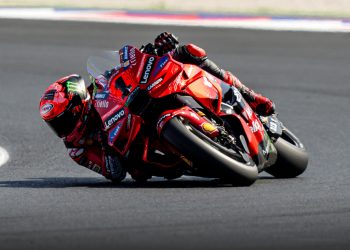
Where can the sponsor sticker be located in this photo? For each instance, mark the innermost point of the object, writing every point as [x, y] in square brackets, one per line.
[75, 152]
[208, 127]
[248, 112]
[101, 104]
[255, 126]
[132, 56]
[160, 65]
[101, 95]
[114, 118]
[195, 116]
[237, 94]
[125, 53]
[151, 86]
[273, 126]
[147, 70]
[46, 108]
[114, 133]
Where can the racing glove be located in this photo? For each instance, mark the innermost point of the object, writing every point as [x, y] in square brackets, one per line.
[165, 42]
[149, 48]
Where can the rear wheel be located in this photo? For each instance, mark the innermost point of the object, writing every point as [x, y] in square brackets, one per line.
[292, 158]
[208, 155]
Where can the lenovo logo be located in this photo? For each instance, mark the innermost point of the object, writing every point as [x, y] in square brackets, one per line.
[114, 118]
[147, 70]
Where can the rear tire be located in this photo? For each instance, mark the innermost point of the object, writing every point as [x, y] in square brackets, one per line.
[292, 158]
[207, 157]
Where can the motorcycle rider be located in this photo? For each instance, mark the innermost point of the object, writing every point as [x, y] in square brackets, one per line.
[67, 108]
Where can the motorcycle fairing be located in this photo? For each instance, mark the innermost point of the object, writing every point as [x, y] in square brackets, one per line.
[117, 87]
[121, 126]
[261, 148]
[163, 76]
[124, 132]
[207, 91]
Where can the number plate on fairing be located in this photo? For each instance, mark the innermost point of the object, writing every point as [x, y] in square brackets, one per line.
[273, 126]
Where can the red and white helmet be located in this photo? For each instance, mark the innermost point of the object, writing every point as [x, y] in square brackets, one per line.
[64, 103]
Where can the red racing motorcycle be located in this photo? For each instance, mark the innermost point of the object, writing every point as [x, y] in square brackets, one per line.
[165, 118]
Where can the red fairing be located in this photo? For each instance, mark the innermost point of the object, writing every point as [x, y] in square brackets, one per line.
[254, 126]
[110, 99]
[204, 87]
[160, 77]
[253, 144]
[124, 133]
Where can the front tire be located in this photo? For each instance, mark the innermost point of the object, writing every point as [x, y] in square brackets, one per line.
[207, 156]
[292, 158]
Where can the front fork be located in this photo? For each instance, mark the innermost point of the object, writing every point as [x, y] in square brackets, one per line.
[260, 132]
[273, 128]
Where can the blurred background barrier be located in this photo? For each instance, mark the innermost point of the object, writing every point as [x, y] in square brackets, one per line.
[317, 8]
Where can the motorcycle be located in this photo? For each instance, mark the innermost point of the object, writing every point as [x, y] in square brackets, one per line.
[167, 119]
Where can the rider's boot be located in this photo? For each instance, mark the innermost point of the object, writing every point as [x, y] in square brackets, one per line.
[259, 103]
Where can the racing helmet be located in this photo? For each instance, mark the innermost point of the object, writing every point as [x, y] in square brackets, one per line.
[64, 103]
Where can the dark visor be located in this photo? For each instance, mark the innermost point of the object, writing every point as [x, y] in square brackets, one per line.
[63, 124]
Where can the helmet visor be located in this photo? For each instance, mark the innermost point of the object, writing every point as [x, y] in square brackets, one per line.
[64, 123]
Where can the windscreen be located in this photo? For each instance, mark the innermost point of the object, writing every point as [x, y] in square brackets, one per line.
[98, 64]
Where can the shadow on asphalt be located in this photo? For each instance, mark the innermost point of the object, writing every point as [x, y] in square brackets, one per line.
[69, 182]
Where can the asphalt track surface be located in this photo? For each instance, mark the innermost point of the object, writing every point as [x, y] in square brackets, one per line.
[49, 202]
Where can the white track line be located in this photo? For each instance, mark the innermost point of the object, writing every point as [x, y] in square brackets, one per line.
[4, 156]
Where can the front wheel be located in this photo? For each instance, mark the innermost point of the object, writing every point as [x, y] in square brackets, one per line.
[292, 158]
[207, 155]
